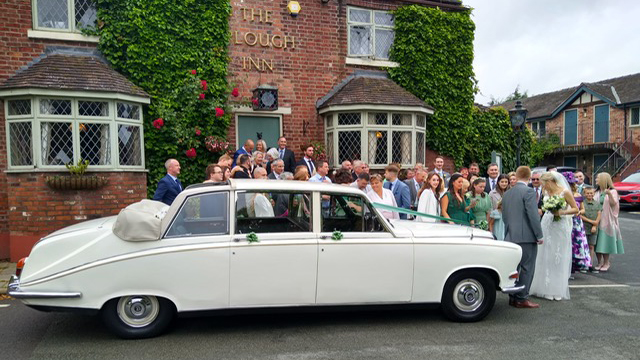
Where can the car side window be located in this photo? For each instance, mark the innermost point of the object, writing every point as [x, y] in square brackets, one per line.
[348, 213]
[205, 214]
[275, 212]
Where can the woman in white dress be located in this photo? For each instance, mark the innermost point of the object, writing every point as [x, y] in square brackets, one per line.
[553, 263]
[378, 194]
[429, 197]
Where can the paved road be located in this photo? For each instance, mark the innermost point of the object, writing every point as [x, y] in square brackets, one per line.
[602, 321]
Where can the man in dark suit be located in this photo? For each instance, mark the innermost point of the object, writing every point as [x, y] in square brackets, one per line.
[307, 160]
[247, 149]
[492, 180]
[399, 189]
[537, 187]
[414, 186]
[277, 168]
[244, 162]
[286, 155]
[169, 186]
[522, 227]
[438, 168]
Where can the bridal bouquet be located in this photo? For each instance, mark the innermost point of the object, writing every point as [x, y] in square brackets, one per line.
[554, 203]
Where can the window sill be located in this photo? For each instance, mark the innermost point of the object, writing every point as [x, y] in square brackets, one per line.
[67, 36]
[369, 62]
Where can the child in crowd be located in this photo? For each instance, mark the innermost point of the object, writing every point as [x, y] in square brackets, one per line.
[591, 218]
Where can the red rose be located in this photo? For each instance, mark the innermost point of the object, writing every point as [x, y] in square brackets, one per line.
[193, 72]
[254, 101]
[235, 92]
[204, 85]
[158, 123]
[198, 132]
[219, 112]
[201, 97]
[191, 153]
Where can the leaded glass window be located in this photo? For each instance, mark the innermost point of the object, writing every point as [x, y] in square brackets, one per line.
[64, 131]
[64, 15]
[371, 33]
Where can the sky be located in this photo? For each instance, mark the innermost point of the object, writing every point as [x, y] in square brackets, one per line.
[548, 45]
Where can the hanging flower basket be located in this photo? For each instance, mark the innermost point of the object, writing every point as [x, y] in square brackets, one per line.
[69, 182]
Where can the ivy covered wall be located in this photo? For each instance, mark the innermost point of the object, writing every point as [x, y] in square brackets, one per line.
[169, 47]
[434, 50]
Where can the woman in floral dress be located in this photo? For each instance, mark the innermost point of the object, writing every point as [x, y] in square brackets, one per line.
[581, 255]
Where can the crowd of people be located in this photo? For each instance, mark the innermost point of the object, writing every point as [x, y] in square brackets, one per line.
[583, 231]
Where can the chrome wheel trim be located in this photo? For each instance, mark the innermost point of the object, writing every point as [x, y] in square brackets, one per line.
[468, 295]
[138, 311]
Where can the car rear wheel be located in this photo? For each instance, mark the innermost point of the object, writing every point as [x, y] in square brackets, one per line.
[468, 296]
[138, 316]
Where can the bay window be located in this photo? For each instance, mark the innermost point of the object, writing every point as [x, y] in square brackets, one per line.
[50, 132]
[375, 137]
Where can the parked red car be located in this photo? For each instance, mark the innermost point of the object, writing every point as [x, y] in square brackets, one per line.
[629, 189]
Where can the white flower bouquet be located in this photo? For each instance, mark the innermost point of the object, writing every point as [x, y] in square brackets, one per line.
[554, 203]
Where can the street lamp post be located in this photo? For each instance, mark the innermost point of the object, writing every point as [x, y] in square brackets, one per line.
[518, 115]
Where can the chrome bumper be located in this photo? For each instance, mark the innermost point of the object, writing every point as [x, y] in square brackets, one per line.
[513, 289]
[14, 291]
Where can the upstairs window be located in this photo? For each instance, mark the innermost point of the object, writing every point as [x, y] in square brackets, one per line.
[539, 128]
[635, 116]
[64, 15]
[370, 33]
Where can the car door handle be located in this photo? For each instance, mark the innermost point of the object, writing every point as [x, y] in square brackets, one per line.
[325, 237]
[238, 239]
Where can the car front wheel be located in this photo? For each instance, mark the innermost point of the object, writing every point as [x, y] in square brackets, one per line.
[468, 296]
[138, 317]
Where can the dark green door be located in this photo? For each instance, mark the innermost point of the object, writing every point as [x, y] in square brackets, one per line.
[571, 161]
[250, 126]
[571, 127]
[601, 126]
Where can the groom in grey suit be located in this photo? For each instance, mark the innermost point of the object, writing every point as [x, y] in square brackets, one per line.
[522, 227]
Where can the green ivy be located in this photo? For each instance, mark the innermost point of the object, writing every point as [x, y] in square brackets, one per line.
[156, 44]
[434, 50]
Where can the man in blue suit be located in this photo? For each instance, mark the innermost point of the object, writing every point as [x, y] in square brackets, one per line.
[169, 186]
[399, 189]
[247, 149]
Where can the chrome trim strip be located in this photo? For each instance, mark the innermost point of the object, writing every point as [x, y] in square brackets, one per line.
[14, 291]
[512, 289]
[128, 256]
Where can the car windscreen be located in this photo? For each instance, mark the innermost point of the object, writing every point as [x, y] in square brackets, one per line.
[634, 178]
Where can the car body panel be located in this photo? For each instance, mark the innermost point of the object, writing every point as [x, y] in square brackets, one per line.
[402, 262]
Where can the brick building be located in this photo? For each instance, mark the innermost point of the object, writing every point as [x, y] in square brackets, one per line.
[318, 76]
[597, 125]
[61, 102]
[324, 68]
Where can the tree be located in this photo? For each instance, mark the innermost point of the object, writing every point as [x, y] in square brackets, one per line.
[516, 95]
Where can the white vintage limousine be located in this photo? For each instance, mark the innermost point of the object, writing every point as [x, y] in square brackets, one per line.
[260, 244]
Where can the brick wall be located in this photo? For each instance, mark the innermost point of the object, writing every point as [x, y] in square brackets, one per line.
[302, 74]
[586, 122]
[35, 210]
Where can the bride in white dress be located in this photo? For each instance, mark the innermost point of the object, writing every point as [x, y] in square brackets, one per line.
[553, 263]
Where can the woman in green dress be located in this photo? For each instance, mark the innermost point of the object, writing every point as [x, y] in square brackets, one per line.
[480, 202]
[454, 204]
[609, 236]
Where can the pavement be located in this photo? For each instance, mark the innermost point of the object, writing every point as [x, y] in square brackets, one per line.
[6, 270]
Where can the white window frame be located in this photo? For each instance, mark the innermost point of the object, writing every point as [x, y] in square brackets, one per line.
[71, 18]
[36, 119]
[373, 27]
[331, 126]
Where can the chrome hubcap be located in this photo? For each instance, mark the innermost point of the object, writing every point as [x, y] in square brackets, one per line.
[138, 311]
[468, 295]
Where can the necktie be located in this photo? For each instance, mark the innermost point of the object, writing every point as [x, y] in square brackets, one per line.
[537, 194]
[391, 187]
[493, 184]
[310, 166]
[281, 153]
[179, 184]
